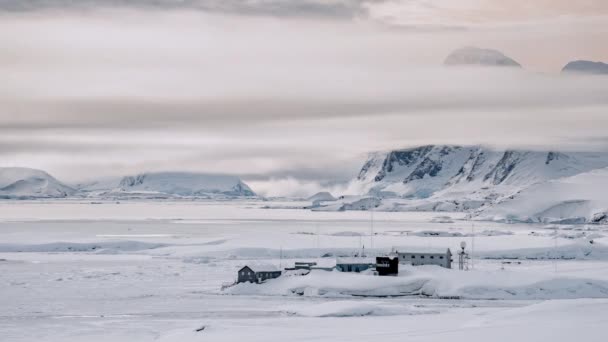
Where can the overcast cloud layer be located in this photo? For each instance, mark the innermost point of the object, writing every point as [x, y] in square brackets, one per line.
[296, 92]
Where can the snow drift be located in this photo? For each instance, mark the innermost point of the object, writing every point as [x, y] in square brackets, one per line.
[431, 281]
[348, 308]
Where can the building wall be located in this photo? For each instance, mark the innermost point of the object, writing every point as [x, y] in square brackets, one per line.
[387, 266]
[352, 267]
[246, 274]
[417, 259]
[261, 276]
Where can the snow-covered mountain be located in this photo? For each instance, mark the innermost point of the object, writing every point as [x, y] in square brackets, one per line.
[20, 182]
[169, 184]
[475, 56]
[466, 178]
[427, 171]
[586, 67]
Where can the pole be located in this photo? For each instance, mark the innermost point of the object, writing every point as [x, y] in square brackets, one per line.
[372, 229]
[555, 252]
[472, 245]
[318, 237]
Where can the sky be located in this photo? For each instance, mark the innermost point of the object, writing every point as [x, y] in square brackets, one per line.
[290, 95]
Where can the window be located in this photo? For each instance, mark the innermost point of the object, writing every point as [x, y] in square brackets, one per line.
[441, 257]
[413, 257]
[432, 257]
[422, 257]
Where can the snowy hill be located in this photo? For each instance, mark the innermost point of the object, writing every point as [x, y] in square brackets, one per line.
[576, 199]
[163, 184]
[466, 178]
[20, 182]
[321, 196]
[586, 67]
[475, 56]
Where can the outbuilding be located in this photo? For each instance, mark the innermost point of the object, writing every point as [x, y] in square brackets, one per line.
[354, 264]
[387, 266]
[304, 265]
[257, 273]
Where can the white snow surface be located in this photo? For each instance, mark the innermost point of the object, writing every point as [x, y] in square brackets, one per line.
[148, 270]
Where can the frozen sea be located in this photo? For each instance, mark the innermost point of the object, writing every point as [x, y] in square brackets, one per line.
[75, 270]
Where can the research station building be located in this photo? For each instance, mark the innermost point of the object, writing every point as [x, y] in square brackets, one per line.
[418, 257]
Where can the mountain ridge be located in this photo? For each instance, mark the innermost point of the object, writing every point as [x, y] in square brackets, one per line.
[476, 178]
[24, 183]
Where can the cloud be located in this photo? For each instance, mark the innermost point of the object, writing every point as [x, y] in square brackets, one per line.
[296, 100]
[278, 8]
[475, 13]
[293, 187]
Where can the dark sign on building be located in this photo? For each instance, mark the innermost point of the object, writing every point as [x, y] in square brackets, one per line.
[387, 266]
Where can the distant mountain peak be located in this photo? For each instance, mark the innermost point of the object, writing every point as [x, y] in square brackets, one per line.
[472, 56]
[186, 184]
[586, 67]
